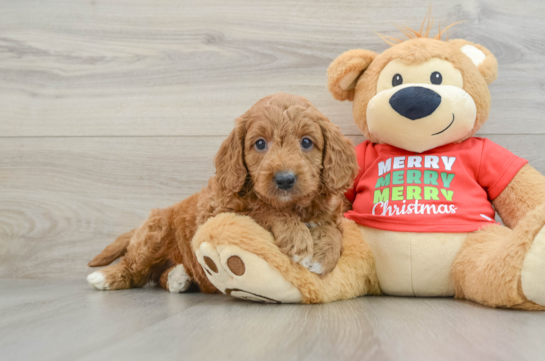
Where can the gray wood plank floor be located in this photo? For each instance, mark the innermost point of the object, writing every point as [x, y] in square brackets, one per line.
[52, 320]
[111, 108]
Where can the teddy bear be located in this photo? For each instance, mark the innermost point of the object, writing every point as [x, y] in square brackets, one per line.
[422, 208]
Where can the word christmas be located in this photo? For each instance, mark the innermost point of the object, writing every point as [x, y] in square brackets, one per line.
[414, 181]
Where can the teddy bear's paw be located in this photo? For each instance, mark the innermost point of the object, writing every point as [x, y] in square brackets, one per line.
[242, 274]
[533, 270]
[178, 280]
[98, 281]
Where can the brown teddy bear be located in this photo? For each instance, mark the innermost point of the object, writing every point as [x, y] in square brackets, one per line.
[422, 219]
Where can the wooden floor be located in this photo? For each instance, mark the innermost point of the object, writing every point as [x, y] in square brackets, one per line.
[52, 320]
[111, 108]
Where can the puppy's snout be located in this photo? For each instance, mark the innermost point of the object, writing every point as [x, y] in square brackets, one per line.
[415, 102]
[285, 180]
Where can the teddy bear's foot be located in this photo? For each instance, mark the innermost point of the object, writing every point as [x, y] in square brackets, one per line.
[242, 274]
[533, 270]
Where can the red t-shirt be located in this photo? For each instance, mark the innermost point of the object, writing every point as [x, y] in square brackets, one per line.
[446, 189]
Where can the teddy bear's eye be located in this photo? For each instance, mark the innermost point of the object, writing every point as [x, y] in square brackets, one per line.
[436, 78]
[397, 80]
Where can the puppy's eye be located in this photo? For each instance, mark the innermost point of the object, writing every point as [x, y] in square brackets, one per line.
[397, 80]
[306, 144]
[261, 145]
[436, 78]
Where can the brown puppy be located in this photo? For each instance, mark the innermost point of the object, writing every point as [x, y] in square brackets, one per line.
[285, 165]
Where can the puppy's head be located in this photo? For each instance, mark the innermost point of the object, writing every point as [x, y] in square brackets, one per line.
[287, 150]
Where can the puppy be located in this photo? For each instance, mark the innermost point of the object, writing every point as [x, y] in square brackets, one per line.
[285, 165]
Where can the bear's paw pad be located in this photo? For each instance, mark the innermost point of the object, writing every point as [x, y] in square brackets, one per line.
[244, 275]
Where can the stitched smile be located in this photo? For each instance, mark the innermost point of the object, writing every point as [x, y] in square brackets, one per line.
[446, 127]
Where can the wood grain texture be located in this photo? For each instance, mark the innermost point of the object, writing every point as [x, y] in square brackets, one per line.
[111, 108]
[64, 199]
[143, 67]
[67, 320]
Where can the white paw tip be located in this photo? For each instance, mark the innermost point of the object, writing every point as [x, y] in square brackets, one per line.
[305, 262]
[97, 280]
[316, 267]
[178, 280]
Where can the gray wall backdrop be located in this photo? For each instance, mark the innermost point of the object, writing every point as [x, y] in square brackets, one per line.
[109, 109]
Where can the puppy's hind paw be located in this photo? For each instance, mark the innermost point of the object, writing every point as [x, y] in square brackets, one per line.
[98, 281]
[178, 280]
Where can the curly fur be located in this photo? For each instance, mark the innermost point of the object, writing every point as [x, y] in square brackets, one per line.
[244, 184]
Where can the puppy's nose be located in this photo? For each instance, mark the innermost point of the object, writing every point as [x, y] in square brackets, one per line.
[285, 180]
[415, 102]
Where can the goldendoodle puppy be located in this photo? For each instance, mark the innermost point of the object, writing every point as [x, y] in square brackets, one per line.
[285, 165]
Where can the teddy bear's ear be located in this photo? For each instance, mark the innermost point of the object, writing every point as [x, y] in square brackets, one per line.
[483, 59]
[343, 73]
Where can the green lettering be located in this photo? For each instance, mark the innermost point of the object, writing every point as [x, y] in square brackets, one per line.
[397, 193]
[431, 193]
[413, 193]
[430, 177]
[398, 177]
[413, 176]
[447, 178]
[383, 181]
[447, 194]
[381, 196]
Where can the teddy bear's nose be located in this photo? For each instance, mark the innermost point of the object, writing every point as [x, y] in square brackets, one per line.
[415, 102]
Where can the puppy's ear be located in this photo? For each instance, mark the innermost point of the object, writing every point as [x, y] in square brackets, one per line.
[339, 160]
[343, 73]
[231, 170]
[483, 59]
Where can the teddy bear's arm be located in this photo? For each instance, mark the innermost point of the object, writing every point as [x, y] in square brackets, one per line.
[247, 264]
[524, 193]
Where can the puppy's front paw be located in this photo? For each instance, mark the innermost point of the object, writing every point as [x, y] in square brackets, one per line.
[316, 267]
[327, 249]
[294, 240]
[299, 248]
[302, 260]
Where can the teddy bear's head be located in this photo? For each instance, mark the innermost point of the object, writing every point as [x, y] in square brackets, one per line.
[420, 93]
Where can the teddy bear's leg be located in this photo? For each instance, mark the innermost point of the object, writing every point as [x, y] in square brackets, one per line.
[241, 259]
[500, 267]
